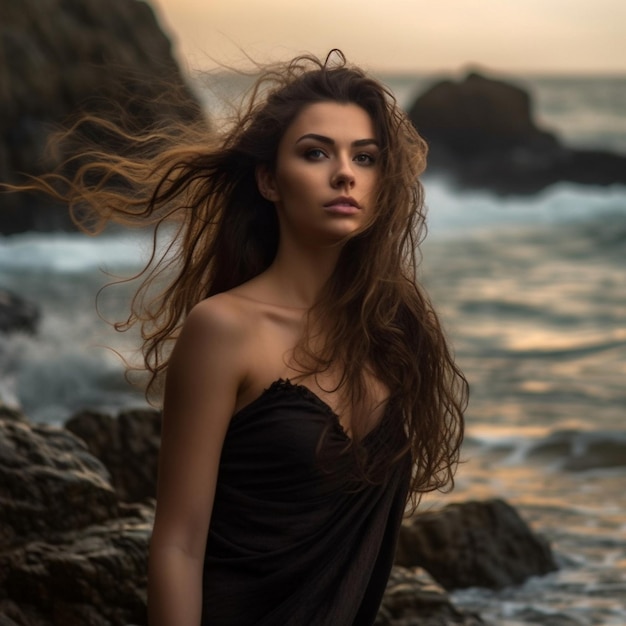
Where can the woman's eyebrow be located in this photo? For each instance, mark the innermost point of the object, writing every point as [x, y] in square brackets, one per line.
[331, 142]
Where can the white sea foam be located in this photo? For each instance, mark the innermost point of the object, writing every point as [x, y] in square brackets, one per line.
[67, 253]
[456, 212]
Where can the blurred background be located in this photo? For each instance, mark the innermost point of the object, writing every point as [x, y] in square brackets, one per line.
[525, 255]
[560, 36]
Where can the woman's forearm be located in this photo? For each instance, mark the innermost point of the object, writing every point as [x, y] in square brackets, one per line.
[174, 587]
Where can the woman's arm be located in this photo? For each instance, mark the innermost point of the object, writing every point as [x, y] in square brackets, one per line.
[204, 375]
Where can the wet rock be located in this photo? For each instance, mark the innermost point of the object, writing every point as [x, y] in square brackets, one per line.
[475, 544]
[10, 414]
[547, 618]
[412, 598]
[70, 553]
[478, 115]
[60, 57]
[482, 132]
[599, 454]
[17, 314]
[95, 575]
[128, 445]
[48, 483]
[577, 451]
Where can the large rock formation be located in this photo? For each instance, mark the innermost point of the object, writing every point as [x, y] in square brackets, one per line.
[475, 544]
[70, 552]
[60, 57]
[128, 445]
[481, 132]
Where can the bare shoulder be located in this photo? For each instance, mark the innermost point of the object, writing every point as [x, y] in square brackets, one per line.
[220, 316]
[215, 339]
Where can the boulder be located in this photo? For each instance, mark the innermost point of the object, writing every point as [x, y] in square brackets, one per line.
[48, 483]
[92, 575]
[62, 57]
[10, 414]
[128, 445]
[478, 115]
[412, 598]
[17, 314]
[474, 544]
[481, 131]
[578, 451]
[70, 552]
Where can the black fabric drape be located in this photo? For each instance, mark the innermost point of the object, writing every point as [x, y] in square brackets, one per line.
[291, 541]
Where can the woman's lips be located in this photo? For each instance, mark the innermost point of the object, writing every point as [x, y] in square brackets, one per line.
[342, 206]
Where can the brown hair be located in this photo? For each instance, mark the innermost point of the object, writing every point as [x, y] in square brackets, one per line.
[372, 310]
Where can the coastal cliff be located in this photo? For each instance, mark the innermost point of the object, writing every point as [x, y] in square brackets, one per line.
[60, 58]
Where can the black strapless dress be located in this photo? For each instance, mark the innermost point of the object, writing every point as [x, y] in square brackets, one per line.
[292, 542]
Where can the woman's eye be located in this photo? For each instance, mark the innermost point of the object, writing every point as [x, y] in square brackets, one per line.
[315, 154]
[365, 159]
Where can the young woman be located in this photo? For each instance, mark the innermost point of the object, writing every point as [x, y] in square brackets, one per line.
[310, 393]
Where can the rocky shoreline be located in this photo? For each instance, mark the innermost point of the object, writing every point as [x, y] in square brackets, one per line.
[75, 528]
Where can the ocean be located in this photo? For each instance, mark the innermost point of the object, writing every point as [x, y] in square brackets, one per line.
[532, 292]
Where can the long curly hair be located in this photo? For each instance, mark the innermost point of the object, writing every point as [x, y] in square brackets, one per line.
[198, 186]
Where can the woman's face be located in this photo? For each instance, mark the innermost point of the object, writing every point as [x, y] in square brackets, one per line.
[326, 175]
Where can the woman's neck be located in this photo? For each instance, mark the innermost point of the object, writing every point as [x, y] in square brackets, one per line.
[299, 275]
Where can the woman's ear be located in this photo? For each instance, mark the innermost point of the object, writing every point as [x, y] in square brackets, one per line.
[266, 183]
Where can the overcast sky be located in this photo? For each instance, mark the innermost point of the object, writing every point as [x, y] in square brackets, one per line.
[539, 36]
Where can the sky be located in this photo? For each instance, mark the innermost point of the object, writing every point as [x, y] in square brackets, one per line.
[421, 36]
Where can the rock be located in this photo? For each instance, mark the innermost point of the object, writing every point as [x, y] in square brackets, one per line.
[477, 115]
[128, 445]
[17, 314]
[578, 451]
[474, 544]
[95, 575]
[70, 553]
[60, 57]
[537, 617]
[413, 599]
[481, 131]
[48, 483]
[11, 414]
[599, 454]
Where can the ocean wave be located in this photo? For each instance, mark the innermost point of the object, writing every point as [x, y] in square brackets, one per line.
[68, 253]
[454, 212]
[49, 381]
[570, 352]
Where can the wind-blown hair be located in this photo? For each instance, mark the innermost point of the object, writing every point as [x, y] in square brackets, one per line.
[373, 312]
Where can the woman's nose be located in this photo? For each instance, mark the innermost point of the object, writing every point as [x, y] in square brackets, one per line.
[343, 175]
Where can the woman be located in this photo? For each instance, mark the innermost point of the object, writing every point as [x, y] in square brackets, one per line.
[310, 393]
